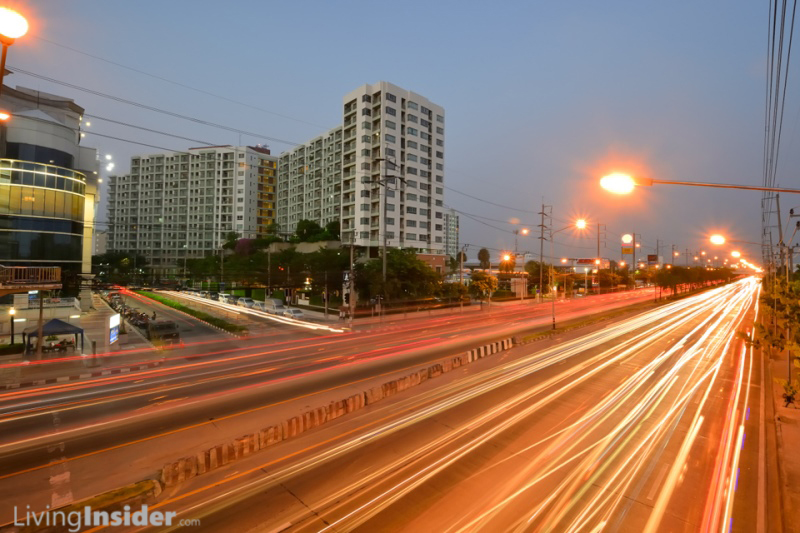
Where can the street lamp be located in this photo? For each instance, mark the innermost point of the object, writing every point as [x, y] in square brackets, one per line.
[12, 26]
[12, 312]
[619, 183]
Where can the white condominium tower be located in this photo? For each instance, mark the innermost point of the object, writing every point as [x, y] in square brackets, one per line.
[381, 173]
[178, 205]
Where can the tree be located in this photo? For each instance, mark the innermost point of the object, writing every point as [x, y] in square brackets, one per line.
[307, 230]
[230, 240]
[484, 257]
[407, 277]
[533, 268]
[482, 285]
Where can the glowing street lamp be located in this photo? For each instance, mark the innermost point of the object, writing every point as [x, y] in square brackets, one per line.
[619, 183]
[627, 238]
[12, 26]
[717, 239]
[736, 253]
[11, 313]
[580, 223]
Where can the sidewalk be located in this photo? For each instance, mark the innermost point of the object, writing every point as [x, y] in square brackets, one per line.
[23, 371]
[787, 432]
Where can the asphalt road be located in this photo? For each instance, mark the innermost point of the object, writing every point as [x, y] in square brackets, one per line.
[647, 425]
[210, 380]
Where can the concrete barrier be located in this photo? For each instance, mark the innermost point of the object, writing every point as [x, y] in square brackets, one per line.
[188, 467]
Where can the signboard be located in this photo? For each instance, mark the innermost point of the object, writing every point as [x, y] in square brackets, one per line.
[586, 261]
[652, 259]
[113, 328]
[346, 276]
[627, 250]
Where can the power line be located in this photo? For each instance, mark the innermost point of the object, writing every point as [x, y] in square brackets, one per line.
[155, 109]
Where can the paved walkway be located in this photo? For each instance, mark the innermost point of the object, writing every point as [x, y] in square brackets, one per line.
[787, 432]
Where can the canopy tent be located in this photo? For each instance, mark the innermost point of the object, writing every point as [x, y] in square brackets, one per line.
[53, 327]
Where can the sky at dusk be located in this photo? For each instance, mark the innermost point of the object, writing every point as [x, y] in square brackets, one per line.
[541, 98]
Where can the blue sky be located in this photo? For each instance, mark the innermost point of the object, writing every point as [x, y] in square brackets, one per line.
[541, 98]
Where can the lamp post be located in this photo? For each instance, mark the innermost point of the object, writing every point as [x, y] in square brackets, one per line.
[12, 26]
[579, 224]
[11, 313]
[619, 183]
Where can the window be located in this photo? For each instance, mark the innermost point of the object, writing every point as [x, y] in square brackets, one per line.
[411, 183]
[365, 207]
[366, 112]
[391, 97]
[411, 170]
[390, 207]
[411, 236]
[364, 234]
[411, 144]
[411, 157]
[438, 239]
[366, 98]
[390, 138]
[424, 173]
[439, 166]
[425, 136]
[389, 221]
[425, 111]
[438, 214]
[411, 223]
[438, 226]
[439, 203]
[241, 156]
[391, 111]
[424, 160]
[439, 142]
[440, 179]
[411, 197]
[412, 105]
[440, 118]
[411, 210]
[423, 225]
[412, 118]
[391, 125]
[364, 221]
[439, 190]
[425, 123]
[239, 217]
[390, 193]
[423, 199]
[439, 130]
[412, 131]
[440, 155]
[364, 194]
[424, 186]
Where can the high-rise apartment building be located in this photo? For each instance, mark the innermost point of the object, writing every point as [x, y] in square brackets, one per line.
[178, 205]
[310, 182]
[381, 173]
[451, 232]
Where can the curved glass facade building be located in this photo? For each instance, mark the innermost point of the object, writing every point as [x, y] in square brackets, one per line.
[41, 213]
[48, 185]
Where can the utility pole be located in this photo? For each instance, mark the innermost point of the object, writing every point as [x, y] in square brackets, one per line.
[541, 254]
[40, 330]
[269, 274]
[461, 275]
[352, 280]
[326, 295]
[598, 240]
[780, 228]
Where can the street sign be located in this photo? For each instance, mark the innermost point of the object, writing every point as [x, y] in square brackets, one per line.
[627, 250]
[652, 259]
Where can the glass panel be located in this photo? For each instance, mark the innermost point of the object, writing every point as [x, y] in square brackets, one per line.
[38, 202]
[50, 203]
[5, 193]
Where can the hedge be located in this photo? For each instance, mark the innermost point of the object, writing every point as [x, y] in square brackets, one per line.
[200, 315]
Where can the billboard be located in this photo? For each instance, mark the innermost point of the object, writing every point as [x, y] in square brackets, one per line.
[113, 328]
[652, 259]
[627, 250]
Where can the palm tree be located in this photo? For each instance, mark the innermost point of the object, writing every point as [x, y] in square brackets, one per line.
[485, 258]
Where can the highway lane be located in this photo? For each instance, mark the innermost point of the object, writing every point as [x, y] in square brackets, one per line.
[641, 432]
[117, 410]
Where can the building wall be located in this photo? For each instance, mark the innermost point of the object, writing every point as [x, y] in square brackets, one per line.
[451, 229]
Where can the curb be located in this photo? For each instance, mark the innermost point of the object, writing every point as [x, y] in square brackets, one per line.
[186, 468]
[76, 377]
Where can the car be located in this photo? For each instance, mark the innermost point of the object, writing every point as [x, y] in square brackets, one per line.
[274, 306]
[259, 306]
[245, 302]
[293, 313]
[163, 332]
[214, 296]
[224, 297]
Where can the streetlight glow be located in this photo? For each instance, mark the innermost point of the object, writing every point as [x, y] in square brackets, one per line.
[12, 24]
[506, 257]
[524, 231]
[717, 239]
[618, 183]
[736, 253]
[627, 238]
[580, 223]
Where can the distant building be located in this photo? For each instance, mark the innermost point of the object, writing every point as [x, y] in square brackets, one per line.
[178, 205]
[100, 242]
[48, 185]
[451, 233]
[381, 173]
